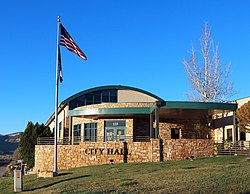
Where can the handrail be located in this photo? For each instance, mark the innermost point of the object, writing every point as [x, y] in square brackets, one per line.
[79, 139]
[232, 148]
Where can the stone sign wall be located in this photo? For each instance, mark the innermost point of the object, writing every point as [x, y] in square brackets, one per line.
[95, 153]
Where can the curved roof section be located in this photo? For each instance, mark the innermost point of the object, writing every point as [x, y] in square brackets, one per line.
[110, 87]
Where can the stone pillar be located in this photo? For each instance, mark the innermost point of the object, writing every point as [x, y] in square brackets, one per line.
[156, 150]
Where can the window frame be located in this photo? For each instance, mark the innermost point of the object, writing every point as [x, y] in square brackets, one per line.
[91, 129]
[174, 136]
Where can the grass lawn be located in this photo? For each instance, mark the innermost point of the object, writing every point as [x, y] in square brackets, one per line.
[208, 175]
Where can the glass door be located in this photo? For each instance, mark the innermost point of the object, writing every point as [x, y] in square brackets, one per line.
[109, 134]
[115, 130]
[120, 134]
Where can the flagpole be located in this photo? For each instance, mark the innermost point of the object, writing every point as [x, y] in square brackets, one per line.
[56, 100]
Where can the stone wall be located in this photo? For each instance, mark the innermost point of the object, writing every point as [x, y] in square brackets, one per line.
[178, 149]
[95, 153]
[165, 129]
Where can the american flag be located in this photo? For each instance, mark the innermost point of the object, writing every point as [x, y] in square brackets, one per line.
[60, 66]
[67, 41]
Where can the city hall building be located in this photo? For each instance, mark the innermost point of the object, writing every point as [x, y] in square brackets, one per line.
[119, 124]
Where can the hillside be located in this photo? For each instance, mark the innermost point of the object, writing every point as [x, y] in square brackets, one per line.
[8, 143]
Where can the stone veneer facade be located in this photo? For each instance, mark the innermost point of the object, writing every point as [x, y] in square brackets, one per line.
[96, 153]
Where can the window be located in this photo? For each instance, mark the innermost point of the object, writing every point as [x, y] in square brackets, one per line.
[81, 101]
[105, 96]
[77, 133]
[242, 136]
[175, 133]
[90, 132]
[60, 130]
[229, 135]
[77, 130]
[120, 134]
[89, 99]
[97, 97]
[112, 96]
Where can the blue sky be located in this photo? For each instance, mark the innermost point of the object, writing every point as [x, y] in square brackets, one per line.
[136, 43]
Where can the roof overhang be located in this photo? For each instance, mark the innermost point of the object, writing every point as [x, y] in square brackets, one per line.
[111, 111]
[200, 105]
[194, 110]
[170, 110]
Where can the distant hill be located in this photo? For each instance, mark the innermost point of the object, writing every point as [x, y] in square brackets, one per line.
[8, 143]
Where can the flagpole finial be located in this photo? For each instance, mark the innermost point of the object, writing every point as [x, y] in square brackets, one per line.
[58, 18]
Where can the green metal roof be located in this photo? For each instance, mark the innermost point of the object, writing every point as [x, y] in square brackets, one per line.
[200, 105]
[110, 87]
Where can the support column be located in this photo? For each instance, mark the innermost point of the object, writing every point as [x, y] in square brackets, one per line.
[156, 122]
[234, 127]
[70, 130]
[151, 125]
[223, 133]
[223, 128]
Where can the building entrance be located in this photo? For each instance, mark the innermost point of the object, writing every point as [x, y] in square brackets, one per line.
[115, 130]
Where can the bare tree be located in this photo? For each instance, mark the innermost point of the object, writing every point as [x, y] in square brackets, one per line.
[209, 80]
[243, 117]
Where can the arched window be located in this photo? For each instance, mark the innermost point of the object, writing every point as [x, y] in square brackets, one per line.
[97, 97]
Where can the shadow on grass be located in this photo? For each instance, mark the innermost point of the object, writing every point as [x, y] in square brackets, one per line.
[64, 173]
[189, 167]
[57, 182]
